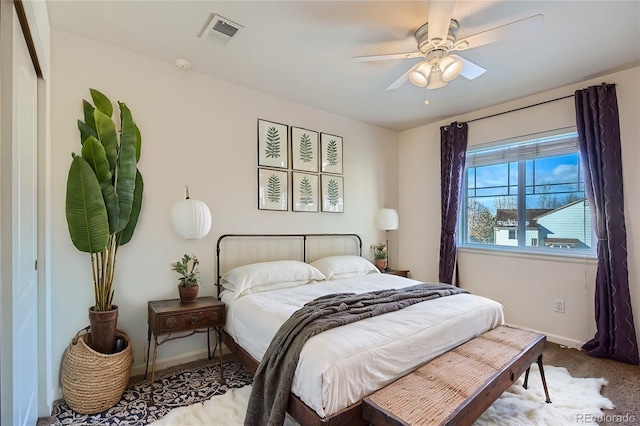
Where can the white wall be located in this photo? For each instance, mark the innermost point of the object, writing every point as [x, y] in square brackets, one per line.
[527, 286]
[196, 131]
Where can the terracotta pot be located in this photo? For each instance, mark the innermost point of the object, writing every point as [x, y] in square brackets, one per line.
[188, 294]
[381, 263]
[103, 329]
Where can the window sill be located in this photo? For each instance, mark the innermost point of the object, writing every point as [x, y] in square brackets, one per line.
[582, 257]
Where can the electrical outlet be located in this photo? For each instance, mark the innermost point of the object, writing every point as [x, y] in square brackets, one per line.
[560, 306]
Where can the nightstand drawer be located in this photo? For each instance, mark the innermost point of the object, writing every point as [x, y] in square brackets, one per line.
[190, 320]
[401, 272]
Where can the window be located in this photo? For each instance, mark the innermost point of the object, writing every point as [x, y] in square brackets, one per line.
[526, 195]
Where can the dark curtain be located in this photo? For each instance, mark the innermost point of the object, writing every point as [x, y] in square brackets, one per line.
[453, 148]
[599, 140]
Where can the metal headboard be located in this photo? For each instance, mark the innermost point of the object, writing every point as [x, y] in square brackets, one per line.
[303, 237]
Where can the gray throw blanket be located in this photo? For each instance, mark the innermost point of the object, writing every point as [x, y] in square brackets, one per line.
[273, 379]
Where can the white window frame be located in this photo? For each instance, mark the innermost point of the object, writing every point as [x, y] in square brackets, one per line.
[515, 149]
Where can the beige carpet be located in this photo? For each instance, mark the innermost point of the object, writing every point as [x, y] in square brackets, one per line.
[623, 379]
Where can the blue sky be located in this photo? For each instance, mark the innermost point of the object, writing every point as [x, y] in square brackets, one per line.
[551, 170]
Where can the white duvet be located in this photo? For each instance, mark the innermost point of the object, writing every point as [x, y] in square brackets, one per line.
[339, 367]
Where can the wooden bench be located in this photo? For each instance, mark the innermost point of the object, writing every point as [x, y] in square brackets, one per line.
[457, 387]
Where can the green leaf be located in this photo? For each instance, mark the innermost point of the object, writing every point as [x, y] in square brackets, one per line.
[85, 209]
[88, 115]
[273, 189]
[138, 142]
[306, 191]
[102, 102]
[272, 148]
[85, 131]
[332, 152]
[126, 178]
[106, 130]
[333, 192]
[127, 232]
[94, 154]
[306, 153]
[111, 202]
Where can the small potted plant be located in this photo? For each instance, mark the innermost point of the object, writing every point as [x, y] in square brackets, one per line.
[380, 255]
[190, 279]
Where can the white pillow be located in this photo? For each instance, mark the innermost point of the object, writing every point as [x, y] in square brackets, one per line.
[264, 276]
[347, 266]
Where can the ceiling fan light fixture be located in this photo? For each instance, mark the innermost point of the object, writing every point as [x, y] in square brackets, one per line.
[420, 76]
[436, 81]
[450, 68]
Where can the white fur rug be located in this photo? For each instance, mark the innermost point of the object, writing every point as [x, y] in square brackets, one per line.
[574, 400]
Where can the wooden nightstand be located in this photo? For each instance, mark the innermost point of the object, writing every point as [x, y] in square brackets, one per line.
[167, 317]
[399, 272]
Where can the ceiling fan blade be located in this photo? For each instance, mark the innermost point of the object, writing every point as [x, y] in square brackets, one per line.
[440, 12]
[470, 70]
[514, 29]
[402, 79]
[386, 57]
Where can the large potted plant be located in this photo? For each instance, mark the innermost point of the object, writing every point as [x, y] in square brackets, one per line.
[104, 198]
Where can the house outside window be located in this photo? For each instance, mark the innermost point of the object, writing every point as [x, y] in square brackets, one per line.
[526, 194]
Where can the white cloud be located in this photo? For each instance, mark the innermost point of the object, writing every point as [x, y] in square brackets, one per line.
[565, 172]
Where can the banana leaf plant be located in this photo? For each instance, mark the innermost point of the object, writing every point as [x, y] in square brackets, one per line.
[104, 190]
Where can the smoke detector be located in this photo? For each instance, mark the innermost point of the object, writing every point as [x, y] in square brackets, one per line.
[183, 64]
[220, 30]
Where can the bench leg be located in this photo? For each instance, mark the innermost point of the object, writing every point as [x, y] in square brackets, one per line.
[526, 378]
[544, 381]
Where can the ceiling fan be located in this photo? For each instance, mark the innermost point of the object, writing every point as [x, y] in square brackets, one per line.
[436, 40]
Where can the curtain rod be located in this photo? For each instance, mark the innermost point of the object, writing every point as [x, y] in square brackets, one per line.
[518, 109]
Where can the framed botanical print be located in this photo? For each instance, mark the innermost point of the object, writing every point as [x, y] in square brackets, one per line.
[273, 146]
[331, 153]
[304, 192]
[332, 193]
[304, 149]
[272, 189]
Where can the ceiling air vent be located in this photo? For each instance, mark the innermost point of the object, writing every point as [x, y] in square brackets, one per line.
[220, 29]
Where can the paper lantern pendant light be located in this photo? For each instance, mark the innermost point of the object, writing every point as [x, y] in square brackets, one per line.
[191, 219]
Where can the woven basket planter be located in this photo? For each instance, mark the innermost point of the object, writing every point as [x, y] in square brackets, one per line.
[93, 382]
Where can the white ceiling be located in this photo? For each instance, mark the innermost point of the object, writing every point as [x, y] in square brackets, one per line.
[302, 50]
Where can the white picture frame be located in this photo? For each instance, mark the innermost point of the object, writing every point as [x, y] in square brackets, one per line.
[331, 153]
[304, 190]
[273, 144]
[332, 189]
[273, 189]
[304, 149]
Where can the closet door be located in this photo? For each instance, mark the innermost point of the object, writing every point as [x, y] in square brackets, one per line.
[19, 226]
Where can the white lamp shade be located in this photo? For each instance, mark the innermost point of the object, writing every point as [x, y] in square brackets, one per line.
[450, 67]
[387, 219]
[420, 76]
[191, 219]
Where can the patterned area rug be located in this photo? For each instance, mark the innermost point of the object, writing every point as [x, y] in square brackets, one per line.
[182, 388]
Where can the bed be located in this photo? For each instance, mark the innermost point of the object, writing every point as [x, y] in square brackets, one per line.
[339, 367]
